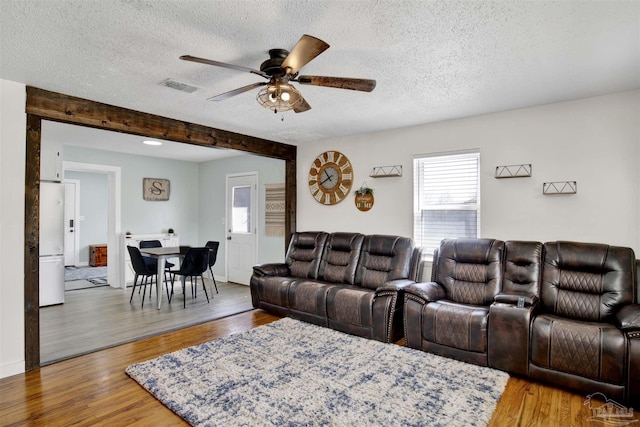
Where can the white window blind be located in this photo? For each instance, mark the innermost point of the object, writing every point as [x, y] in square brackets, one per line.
[446, 198]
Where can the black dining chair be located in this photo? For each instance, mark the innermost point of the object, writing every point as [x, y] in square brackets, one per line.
[152, 262]
[142, 271]
[194, 264]
[213, 255]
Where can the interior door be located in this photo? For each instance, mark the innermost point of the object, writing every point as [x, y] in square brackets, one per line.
[242, 227]
[71, 201]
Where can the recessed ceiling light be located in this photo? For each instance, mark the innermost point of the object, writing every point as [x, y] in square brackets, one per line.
[151, 142]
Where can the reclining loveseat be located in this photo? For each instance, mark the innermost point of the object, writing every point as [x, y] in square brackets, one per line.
[346, 281]
[565, 313]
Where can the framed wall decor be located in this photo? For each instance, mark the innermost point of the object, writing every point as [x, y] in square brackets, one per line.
[155, 189]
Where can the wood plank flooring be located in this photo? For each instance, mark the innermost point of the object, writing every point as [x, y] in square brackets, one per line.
[94, 390]
[97, 318]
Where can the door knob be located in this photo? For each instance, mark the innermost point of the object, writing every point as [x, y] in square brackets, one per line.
[229, 238]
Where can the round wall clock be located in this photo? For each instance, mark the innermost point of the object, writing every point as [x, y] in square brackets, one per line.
[330, 177]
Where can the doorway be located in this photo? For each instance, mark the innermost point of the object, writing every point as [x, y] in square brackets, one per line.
[115, 277]
[43, 105]
[242, 227]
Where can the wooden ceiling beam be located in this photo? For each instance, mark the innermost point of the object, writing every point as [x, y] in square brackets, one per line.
[64, 108]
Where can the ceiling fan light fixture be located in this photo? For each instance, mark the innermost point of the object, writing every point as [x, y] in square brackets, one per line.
[279, 97]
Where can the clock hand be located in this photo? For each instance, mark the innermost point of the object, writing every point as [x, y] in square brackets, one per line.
[328, 178]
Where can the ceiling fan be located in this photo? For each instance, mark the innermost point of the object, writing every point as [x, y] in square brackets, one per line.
[280, 70]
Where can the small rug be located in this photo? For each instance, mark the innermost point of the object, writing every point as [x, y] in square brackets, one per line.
[84, 277]
[293, 373]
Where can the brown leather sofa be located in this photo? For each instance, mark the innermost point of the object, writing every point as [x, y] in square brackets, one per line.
[346, 281]
[565, 313]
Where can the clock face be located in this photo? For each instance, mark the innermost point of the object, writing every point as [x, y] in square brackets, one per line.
[330, 177]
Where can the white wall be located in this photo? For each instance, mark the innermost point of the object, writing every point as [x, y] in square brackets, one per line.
[594, 141]
[141, 216]
[12, 170]
[212, 204]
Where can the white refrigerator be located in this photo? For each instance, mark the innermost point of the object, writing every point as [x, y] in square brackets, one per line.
[51, 243]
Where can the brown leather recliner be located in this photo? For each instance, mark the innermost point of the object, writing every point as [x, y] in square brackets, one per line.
[270, 282]
[584, 335]
[448, 316]
[346, 281]
[372, 306]
[308, 298]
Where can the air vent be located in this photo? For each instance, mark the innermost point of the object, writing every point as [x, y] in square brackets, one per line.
[174, 84]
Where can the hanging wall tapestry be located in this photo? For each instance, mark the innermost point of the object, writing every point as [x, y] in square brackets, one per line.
[274, 210]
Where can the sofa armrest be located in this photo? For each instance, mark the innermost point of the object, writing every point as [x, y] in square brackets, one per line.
[513, 298]
[271, 270]
[427, 291]
[394, 285]
[628, 318]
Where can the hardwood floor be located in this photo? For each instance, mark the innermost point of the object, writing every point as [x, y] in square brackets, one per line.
[94, 390]
[97, 318]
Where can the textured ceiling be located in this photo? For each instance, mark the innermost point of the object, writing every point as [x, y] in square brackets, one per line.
[432, 61]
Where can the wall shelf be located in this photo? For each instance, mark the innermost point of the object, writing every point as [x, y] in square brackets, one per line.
[513, 171]
[386, 171]
[560, 187]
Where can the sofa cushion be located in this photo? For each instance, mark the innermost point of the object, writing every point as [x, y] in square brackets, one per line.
[309, 296]
[350, 304]
[456, 325]
[274, 290]
[587, 349]
[470, 270]
[384, 258]
[522, 267]
[587, 281]
[305, 252]
[340, 258]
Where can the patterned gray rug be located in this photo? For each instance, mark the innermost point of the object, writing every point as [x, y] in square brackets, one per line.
[293, 373]
[84, 277]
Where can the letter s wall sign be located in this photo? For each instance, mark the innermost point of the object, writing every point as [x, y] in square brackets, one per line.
[155, 189]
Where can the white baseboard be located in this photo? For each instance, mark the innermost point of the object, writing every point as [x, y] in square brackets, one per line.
[10, 369]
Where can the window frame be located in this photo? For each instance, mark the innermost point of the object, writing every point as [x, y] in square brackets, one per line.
[418, 193]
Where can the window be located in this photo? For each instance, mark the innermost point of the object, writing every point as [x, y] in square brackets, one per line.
[241, 212]
[446, 198]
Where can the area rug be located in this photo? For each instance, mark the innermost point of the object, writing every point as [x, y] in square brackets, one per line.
[84, 277]
[293, 373]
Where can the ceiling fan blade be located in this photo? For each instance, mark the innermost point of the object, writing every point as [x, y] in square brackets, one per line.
[235, 92]
[307, 48]
[364, 85]
[222, 64]
[302, 106]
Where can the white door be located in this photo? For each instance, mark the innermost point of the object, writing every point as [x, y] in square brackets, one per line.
[242, 227]
[71, 190]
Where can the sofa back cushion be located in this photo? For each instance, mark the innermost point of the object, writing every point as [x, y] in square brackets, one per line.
[587, 281]
[522, 267]
[470, 270]
[384, 258]
[340, 258]
[305, 252]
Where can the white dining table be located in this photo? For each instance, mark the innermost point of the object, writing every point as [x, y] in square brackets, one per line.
[162, 254]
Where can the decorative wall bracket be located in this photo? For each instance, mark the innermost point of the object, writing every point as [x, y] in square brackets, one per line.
[560, 187]
[386, 171]
[513, 171]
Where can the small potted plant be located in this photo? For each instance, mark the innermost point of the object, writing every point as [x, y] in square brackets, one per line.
[363, 190]
[170, 231]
